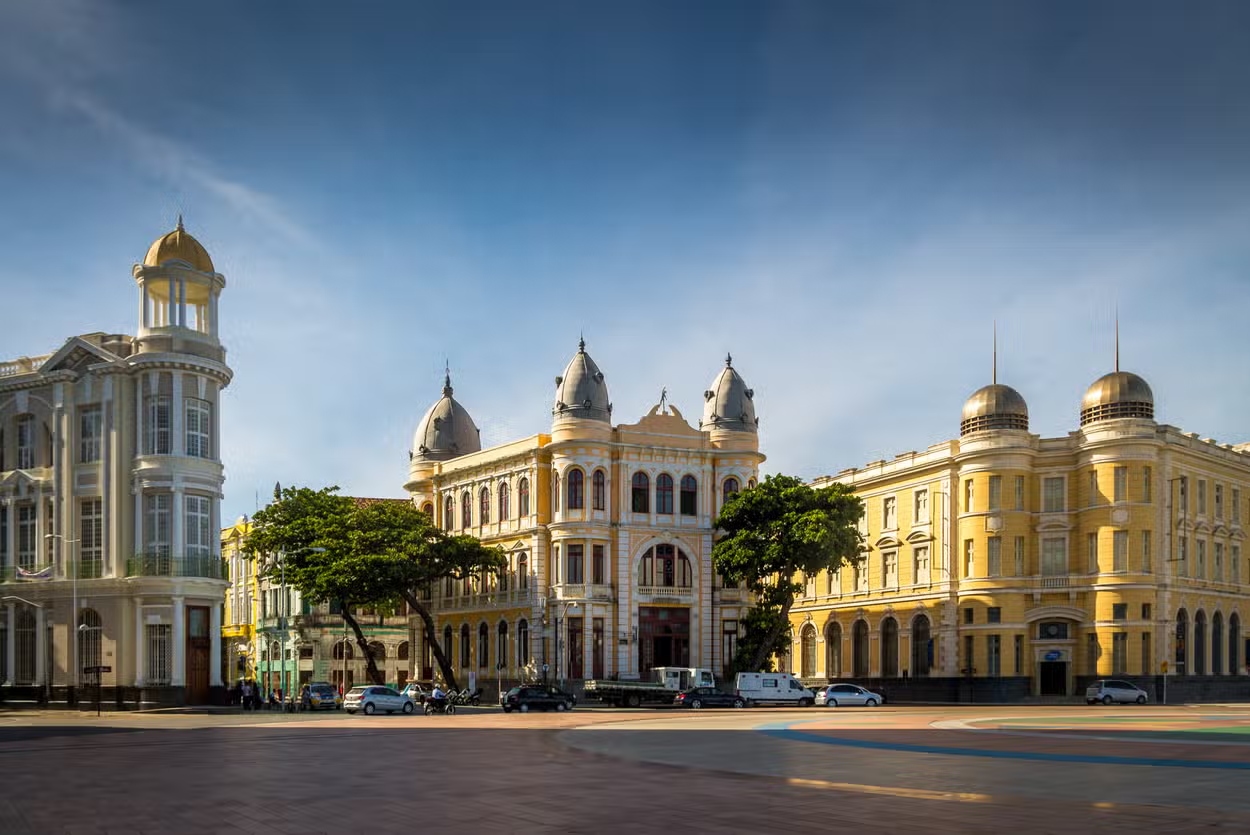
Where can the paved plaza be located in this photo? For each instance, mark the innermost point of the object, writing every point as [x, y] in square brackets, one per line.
[960, 769]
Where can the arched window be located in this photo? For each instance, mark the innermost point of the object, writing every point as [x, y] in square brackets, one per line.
[501, 643]
[665, 565]
[599, 483]
[921, 646]
[522, 571]
[402, 652]
[751, 484]
[522, 643]
[1182, 627]
[377, 650]
[889, 648]
[484, 506]
[664, 494]
[504, 510]
[449, 513]
[689, 496]
[483, 645]
[1217, 641]
[466, 510]
[428, 510]
[342, 649]
[833, 650]
[447, 643]
[89, 638]
[641, 493]
[859, 649]
[807, 652]
[1234, 644]
[465, 646]
[1200, 643]
[576, 490]
[523, 497]
[731, 487]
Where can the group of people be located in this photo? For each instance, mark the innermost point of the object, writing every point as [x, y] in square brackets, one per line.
[250, 695]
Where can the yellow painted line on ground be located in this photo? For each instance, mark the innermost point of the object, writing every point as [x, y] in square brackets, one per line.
[891, 791]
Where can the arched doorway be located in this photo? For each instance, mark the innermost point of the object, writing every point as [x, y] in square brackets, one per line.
[833, 650]
[1234, 644]
[1217, 644]
[24, 648]
[921, 646]
[889, 648]
[1181, 654]
[90, 628]
[807, 654]
[859, 649]
[1200, 643]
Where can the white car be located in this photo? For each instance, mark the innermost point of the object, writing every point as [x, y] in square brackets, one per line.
[1111, 690]
[370, 700]
[847, 695]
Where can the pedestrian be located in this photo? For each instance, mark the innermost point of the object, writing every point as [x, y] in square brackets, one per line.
[246, 691]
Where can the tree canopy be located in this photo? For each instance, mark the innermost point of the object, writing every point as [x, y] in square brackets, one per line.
[770, 537]
[355, 553]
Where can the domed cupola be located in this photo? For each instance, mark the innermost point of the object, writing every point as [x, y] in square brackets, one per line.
[178, 245]
[581, 392]
[446, 431]
[995, 406]
[728, 404]
[1119, 394]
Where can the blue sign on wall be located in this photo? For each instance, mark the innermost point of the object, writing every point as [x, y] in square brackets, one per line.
[1054, 655]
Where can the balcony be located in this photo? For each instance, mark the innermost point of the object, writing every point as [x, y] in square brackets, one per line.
[683, 593]
[583, 591]
[485, 600]
[158, 565]
[1055, 582]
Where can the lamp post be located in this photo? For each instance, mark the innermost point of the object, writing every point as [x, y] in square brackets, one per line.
[73, 620]
[285, 618]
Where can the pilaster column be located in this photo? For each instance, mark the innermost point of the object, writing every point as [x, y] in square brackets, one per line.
[10, 644]
[178, 676]
[214, 652]
[177, 417]
[10, 547]
[177, 538]
[140, 659]
[41, 649]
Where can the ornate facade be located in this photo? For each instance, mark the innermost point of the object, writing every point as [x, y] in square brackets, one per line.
[1117, 549]
[110, 483]
[607, 529]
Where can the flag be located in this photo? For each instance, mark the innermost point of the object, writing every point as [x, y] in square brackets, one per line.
[29, 574]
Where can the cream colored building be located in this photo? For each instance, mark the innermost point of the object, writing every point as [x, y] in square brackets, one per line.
[110, 483]
[1117, 549]
[607, 529]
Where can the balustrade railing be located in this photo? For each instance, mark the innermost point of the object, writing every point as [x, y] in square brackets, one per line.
[160, 565]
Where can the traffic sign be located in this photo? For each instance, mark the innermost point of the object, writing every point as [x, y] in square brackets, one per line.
[1163, 665]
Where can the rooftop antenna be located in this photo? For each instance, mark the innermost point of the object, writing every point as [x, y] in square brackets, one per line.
[994, 366]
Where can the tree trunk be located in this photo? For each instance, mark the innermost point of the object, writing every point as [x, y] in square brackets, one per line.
[431, 638]
[375, 675]
[783, 623]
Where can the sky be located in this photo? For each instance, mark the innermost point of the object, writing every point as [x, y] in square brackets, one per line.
[847, 196]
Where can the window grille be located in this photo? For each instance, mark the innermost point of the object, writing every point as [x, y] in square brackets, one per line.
[159, 657]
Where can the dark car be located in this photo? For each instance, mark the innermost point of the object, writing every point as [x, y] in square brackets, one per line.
[536, 697]
[701, 697]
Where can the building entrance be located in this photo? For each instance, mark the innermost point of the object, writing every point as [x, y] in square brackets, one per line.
[1053, 677]
[663, 638]
[199, 646]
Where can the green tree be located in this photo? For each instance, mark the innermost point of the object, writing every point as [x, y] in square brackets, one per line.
[336, 549]
[771, 536]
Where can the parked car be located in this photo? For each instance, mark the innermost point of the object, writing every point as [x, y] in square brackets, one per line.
[536, 697]
[370, 700]
[1112, 690]
[701, 697]
[418, 691]
[322, 695]
[847, 695]
[773, 688]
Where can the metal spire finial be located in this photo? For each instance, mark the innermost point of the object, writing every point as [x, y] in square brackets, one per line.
[729, 360]
[581, 342]
[180, 229]
[446, 378]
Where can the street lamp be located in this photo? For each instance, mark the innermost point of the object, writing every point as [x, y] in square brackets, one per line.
[560, 638]
[74, 616]
[284, 619]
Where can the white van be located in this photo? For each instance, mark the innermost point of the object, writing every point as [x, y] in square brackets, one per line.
[773, 689]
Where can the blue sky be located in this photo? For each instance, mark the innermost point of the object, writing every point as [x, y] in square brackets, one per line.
[844, 195]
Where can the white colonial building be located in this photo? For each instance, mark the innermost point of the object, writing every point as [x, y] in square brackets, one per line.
[607, 528]
[110, 484]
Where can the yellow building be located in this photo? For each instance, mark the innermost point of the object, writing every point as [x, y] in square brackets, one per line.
[238, 627]
[1114, 550]
[607, 529]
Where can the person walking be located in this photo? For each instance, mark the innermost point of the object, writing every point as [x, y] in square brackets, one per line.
[246, 694]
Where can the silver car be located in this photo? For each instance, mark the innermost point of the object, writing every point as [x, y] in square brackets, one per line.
[847, 695]
[370, 700]
[1113, 691]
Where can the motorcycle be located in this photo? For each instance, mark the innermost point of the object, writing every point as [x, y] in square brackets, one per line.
[467, 697]
[446, 707]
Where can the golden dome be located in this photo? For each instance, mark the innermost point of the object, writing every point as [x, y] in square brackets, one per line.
[994, 407]
[178, 245]
[1119, 394]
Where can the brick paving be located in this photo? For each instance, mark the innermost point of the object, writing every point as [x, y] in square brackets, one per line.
[487, 773]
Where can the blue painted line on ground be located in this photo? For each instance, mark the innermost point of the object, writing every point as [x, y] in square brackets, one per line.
[785, 730]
